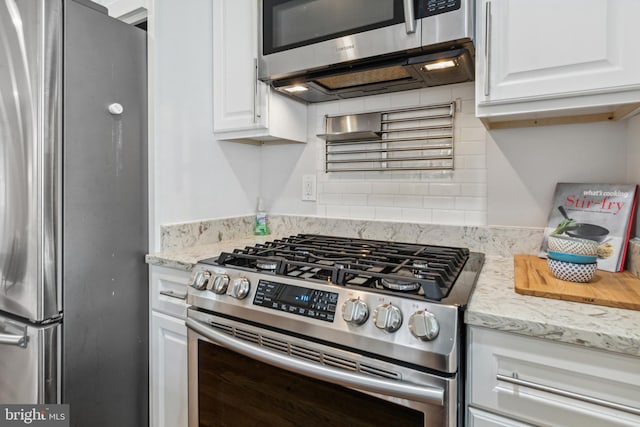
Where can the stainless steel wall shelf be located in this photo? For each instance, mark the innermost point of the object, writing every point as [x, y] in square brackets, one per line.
[410, 139]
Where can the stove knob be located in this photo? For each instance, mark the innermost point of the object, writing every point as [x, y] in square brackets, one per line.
[355, 311]
[200, 279]
[387, 317]
[240, 288]
[219, 284]
[424, 325]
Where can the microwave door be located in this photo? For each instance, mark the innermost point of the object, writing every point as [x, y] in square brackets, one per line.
[29, 118]
[301, 36]
[29, 362]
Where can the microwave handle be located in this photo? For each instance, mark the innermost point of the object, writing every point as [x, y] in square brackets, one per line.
[430, 395]
[409, 16]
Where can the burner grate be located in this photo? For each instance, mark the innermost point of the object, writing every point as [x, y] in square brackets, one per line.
[427, 271]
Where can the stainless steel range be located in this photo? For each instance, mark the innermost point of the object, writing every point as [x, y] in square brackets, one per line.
[321, 330]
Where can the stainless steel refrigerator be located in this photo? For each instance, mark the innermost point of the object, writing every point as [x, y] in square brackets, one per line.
[73, 211]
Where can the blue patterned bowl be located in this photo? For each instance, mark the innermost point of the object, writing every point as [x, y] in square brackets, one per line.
[572, 272]
[574, 258]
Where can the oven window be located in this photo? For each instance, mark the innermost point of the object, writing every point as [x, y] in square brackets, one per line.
[294, 23]
[236, 391]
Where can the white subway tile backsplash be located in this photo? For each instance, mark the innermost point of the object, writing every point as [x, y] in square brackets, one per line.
[414, 188]
[472, 134]
[466, 91]
[385, 187]
[355, 199]
[473, 190]
[444, 189]
[329, 199]
[439, 202]
[381, 200]
[388, 213]
[475, 218]
[471, 203]
[469, 148]
[471, 162]
[416, 215]
[448, 217]
[452, 197]
[408, 201]
[337, 211]
[471, 175]
[362, 212]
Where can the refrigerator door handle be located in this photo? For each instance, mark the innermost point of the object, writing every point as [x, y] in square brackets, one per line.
[19, 340]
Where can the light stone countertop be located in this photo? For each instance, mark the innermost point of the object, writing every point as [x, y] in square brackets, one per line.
[494, 303]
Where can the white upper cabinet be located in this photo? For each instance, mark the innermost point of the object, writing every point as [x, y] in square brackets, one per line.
[243, 107]
[548, 58]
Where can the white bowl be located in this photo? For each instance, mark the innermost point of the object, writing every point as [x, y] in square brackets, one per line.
[572, 245]
[572, 272]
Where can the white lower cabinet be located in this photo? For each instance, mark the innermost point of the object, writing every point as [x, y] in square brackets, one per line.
[516, 380]
[479, 418]
[168, 348]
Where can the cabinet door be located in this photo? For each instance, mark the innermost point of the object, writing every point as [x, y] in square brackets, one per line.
[549, 383]
[239, 99]
[549, 49]
[480, 418]
[168, 381]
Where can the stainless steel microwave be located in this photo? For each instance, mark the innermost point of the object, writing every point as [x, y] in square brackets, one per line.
[319, 50]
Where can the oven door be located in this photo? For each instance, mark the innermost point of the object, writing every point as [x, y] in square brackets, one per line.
[306, 35]
[244, 375]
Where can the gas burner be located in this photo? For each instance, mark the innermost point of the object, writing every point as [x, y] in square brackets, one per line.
[267, 264]
[403, 281]
[423, 265]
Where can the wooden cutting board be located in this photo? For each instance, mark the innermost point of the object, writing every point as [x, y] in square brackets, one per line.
[533, 277]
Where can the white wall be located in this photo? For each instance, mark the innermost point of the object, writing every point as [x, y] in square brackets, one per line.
[524, 165]
[192, 176]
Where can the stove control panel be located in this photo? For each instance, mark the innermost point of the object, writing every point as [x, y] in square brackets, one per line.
[298, 300]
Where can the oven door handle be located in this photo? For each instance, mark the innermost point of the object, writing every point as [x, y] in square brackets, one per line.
[426, 394]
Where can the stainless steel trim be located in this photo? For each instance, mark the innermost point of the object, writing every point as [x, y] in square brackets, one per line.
[30, 101]
[174, 294]
[10, 339]
[487, 47]
[30, 368]
[409, 16]
[406, 142]
[430, 395]
[255, 90]
[569, 394]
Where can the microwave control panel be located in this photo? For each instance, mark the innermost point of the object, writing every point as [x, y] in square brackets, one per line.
[436, 7]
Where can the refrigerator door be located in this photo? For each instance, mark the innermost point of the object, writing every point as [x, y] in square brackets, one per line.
[105, 279]
[30, 131]
[29, 362]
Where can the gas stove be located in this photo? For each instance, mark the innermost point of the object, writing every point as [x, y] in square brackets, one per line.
[358, 293]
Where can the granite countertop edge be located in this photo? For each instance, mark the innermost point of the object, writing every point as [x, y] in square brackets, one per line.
[494, 304]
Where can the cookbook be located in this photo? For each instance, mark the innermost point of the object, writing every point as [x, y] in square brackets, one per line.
[600, 212]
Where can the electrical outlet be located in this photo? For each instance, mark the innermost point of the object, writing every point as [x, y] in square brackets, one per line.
[308, 187]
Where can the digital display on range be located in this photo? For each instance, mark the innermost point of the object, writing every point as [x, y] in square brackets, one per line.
[297, 300]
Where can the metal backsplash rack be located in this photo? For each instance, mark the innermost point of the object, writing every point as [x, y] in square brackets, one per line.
[410, 139]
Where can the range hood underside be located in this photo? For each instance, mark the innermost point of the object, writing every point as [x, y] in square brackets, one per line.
[389, 75]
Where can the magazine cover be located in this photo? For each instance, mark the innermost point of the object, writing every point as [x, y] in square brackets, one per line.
[600, 212]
